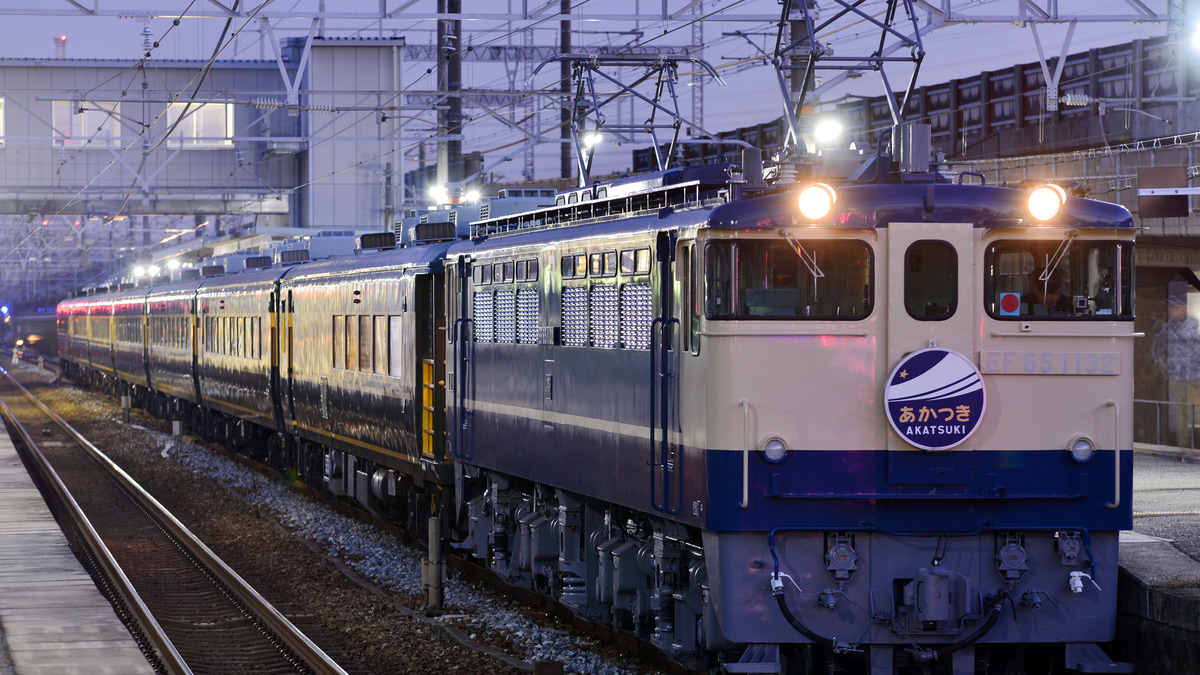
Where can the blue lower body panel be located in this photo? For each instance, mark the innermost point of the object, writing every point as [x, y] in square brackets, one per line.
[953, 491]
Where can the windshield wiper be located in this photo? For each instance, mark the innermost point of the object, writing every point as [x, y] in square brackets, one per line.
[809, 259]
[1053, 262]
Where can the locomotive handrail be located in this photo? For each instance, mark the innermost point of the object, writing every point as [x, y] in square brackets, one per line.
[1116, 502]
[460, 376]
[745, 453]
[1070, 335]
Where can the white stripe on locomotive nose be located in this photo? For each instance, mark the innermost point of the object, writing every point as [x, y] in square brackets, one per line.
[946, 373]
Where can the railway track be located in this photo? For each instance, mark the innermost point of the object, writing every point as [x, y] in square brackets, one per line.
[457, 628]
[192, 613]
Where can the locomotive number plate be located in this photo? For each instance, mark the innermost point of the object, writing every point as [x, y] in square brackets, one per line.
[1050, 363]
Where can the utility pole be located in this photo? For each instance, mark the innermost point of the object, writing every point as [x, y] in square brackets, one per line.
[564, 72]
[450, 117]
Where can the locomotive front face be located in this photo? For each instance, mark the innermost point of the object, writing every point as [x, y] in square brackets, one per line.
[916, 412]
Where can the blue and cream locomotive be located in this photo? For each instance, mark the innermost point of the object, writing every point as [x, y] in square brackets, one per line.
[739, 417]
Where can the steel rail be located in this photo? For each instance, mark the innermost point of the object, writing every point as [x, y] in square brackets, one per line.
[164, 648]
[313, 656]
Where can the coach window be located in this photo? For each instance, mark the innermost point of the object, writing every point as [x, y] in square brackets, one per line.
[364, 343]
[603, 264]
[931, 280]
[395, 346]
[574, 266]
[503, 272]
[381, 345]
[339, 342]
[351, 342]
[527, 270]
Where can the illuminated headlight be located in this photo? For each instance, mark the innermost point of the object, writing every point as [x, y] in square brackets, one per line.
[816, 201]
[774, 449]
[1081, 448]
[1046, 201]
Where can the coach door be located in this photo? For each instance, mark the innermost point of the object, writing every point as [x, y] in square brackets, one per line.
[931, 306]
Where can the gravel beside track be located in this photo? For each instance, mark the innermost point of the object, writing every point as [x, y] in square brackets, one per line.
[360, 584]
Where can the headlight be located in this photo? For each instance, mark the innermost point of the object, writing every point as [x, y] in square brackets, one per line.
[1081, 448]
[1045, 202]
[816, 201]
[774, 449]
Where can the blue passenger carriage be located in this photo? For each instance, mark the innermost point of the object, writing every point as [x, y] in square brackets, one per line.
[171, 354]
[362, 367]
[233, 354]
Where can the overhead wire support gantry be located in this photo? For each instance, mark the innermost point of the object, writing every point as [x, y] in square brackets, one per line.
[798, 47]
[587, 103]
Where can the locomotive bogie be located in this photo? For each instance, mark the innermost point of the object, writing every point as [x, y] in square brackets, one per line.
[637, 573]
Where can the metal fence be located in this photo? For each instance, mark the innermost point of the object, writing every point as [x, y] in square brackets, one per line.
[1165, 423]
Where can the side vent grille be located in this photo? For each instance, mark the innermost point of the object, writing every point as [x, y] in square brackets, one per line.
[258, 261]
[294, 256]
[485, 211]
[433, 231]
[377, 240]
[211, 270]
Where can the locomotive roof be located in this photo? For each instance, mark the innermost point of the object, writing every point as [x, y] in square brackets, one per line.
[878, 205]
[642, 223]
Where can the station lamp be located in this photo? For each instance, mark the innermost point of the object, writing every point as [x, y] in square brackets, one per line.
[827, 131]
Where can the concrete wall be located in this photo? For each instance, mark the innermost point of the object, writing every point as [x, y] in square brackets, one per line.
[349, 149]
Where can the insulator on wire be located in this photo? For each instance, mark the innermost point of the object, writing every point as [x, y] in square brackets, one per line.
[267, 103]
[1078, 100]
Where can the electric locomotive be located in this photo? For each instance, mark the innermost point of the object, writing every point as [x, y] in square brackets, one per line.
[886, 416]
[739, 414]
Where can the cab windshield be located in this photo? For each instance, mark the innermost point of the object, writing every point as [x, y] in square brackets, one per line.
[788, 279]
[1059, 279]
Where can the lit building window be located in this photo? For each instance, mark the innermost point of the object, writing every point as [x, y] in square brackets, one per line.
[201, 125]
[79, 123]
